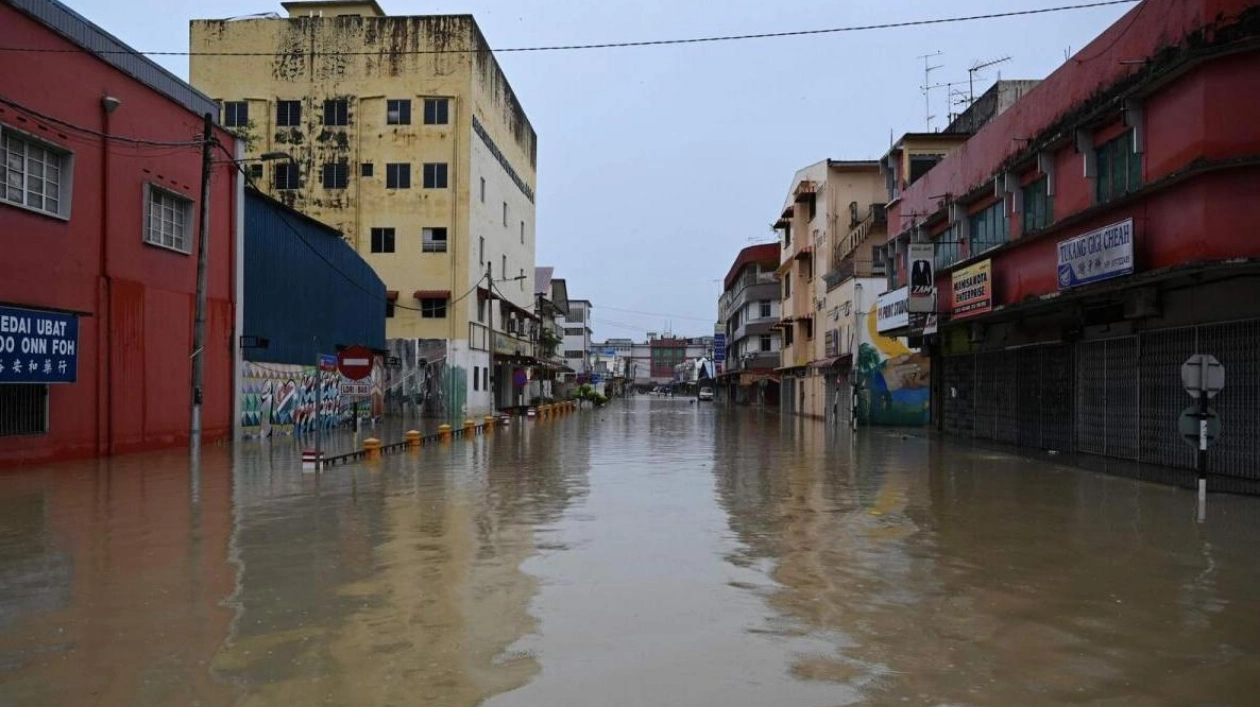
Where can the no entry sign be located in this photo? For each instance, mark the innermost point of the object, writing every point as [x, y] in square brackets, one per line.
[355, 362]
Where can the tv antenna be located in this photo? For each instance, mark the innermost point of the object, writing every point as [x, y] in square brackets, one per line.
[977, 68]
[927, 86]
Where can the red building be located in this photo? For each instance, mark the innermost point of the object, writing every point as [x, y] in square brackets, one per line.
[1090, 238]
[99, 230]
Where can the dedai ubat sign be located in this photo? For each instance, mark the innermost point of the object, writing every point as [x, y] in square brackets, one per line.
[1097, 255]
[38, 346]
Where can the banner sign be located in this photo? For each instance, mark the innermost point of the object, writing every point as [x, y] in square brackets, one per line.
[891, 310]
[922, 277]
[719, 347]
[37, 346]
[973, 289]
[1097, 255]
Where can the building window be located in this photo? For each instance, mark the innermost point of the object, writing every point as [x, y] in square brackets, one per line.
[366, 169]
[787, 285]
[1119, 168]
[389, 309]
[765, 343]
[437, 111]
[1038, 206]
[522, 232]
[167, 219]
[922, 164]
[481, 310]
[573, 331]
[336, 112]
[286, 176]
[398, 111]
[236, 114]
[787, 235]
[435, 175]
[764, 309]
[433, 308]
[288, 114]
[521, 279]
[476, 378]
[35, 175]
[23, 410]
[382, 240]
[503, 268]
[483, 190]
[990, 228]
[573, 354]
[398, 175]
[948, 247]
[485, 378]
[255, 172]
[434, 240]
[787, 336]
[505, 213]
[336, 175]
[481, 250]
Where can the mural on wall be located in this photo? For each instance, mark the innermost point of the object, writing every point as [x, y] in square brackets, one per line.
[894, 381]
[280, 399]
[424, 383]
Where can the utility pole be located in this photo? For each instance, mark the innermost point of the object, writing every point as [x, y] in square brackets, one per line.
[199, 318]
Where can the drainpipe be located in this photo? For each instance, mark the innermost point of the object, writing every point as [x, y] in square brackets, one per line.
[238, 286]
[104, 301]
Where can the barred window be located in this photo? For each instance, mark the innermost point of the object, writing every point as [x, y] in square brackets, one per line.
[23, 410]
[167, 221]
[434, 240]
[36, 175]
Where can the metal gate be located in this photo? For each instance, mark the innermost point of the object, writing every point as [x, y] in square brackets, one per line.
[1020, 396]
[1107, 397]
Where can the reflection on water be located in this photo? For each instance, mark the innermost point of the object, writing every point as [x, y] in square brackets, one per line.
[654, 552]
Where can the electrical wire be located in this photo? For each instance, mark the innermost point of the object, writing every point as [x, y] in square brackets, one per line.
[284, 219]
[658, 314]
[623, 45]
[96, 133]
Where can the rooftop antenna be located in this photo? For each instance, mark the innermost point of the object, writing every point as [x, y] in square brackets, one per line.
[978, 67]
[927, 86]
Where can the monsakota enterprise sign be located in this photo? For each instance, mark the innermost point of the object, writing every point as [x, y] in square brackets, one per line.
[38, 346]
[1097, 255]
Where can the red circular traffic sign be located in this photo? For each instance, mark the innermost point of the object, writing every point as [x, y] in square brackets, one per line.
[355, 362]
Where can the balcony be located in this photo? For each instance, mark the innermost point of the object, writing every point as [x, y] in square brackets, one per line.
[755, 293]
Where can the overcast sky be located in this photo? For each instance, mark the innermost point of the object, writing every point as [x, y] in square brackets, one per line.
[657, 164]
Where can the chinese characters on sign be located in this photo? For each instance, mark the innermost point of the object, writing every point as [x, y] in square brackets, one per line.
[973, 289]
[37, 346]
[1097, 255]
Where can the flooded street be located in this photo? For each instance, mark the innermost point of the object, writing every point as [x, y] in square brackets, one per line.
[654, 552]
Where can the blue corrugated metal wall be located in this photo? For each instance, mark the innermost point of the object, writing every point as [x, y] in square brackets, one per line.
[293, 295]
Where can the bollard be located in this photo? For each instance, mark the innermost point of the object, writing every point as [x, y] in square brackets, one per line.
[413, 439]
[444, 433]
[470, 428]
[489, 423]
[372, 446]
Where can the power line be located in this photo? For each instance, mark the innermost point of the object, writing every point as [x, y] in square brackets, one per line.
[96, 133]
[658, 314]
[622, 45]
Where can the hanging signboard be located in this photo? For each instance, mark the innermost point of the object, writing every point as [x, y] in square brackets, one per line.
[891, 311]
[973, 289]
[1097, 255]
[922, 278]
[38, 346]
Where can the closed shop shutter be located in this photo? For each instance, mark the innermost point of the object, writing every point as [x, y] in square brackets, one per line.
[1107, 397]
[959, 404]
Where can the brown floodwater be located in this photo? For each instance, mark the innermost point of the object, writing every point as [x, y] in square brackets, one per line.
[656, 552]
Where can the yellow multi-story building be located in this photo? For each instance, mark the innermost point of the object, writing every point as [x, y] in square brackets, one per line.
[405, 135]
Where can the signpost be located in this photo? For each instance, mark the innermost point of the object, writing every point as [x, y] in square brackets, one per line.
[1203, 377]
[324, 363]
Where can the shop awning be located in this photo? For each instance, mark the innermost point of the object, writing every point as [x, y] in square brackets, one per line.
[432, 294]
[833, 362]
[391, 295]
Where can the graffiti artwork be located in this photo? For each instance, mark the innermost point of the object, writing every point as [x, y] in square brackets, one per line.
[424, 384]
[281, 399]
[894, 381]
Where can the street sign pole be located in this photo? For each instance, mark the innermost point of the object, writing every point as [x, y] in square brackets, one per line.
[1203, 377]
[1203, 434]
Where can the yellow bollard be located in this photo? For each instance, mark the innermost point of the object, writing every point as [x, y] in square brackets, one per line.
[470, 428]
[444, 433]
[489, 423]
[413, 439]
[372, 446]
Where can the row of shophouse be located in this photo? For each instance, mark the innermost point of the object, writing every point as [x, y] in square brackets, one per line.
[383, 199]
[1037, 273]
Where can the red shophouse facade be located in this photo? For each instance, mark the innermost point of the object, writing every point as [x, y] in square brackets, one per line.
[1138, 164]
[103, 230]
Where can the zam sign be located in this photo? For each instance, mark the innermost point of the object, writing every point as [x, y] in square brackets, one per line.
[37, 346]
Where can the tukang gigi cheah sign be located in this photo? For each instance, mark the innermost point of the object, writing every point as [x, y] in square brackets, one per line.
[1097, 255]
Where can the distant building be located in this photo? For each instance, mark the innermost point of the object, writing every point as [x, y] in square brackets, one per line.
[576, 325]
[410, 141]
[990, 104]
[101, 233]
[749, 308]
[551, 304]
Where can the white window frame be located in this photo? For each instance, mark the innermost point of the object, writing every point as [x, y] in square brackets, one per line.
[183, 203]
[65, 167]
[429, 244]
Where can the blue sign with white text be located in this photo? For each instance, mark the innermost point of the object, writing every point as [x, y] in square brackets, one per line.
[1097, 255]
[719, 347]
[38, 346]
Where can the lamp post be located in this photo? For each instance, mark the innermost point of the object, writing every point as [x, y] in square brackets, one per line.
[203, 254]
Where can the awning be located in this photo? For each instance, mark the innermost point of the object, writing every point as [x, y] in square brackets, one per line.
[518, 309]
[806, 252]
[432, 294]
[486, 293]
[834, 362]
[391, 295]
